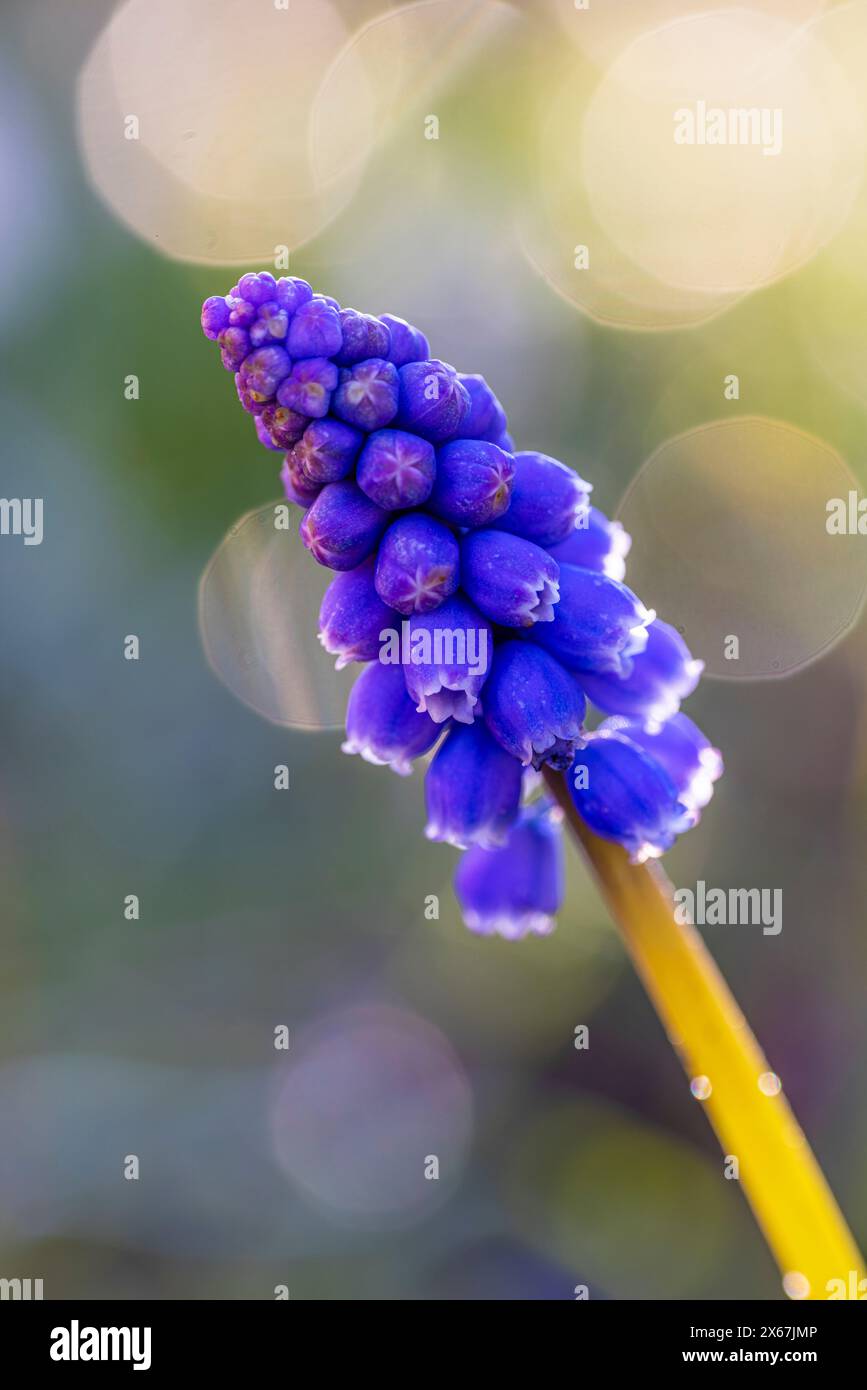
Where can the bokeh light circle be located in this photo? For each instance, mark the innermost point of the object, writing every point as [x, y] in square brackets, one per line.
[259, 600]
[602, 30]
[730, 216]
[372, 1096]
[217, 166]
[730, 540]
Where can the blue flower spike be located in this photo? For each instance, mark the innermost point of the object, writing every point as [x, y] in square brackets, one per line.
[479, 590]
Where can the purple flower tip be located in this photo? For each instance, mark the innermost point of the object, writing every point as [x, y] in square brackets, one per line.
[548, 500]
[473, 789]
[396, 469]
[533, 707]
[473, 482]
[382, 724]
[342, 526]
[418, 564]
[513, 581]
[352, 616]
[595, 544]
[661, 676]
[517, 890]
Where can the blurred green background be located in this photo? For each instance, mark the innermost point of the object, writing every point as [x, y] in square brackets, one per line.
[305, 908]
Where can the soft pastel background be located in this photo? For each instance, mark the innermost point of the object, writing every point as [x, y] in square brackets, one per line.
[306, 907]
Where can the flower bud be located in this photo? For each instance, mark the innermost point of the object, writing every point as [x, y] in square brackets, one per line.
[406, 344]
[342, 526]
[396, 469]
[547, 500]
[448, 659]
[314, 330]
[486, 418]
[417, 565]
[352, 616]
[661, 676]
[296, 484]
[286, 426]
[472, 789]
[367, 394]
[595, 544]
[516, 890]
[328, 450]
[533, 707]
[307, 389]
[514, 582]
[215, 316]
[433, 403]
[363, 337]
[473, 482]
[382, 723]
[598, 625]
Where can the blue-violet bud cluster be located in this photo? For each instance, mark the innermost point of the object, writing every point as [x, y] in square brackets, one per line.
[480, 592]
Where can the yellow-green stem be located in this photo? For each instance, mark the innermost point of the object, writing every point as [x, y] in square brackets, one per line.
[785, 1186]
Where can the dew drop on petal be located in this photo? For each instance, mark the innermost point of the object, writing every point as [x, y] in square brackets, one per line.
[700, 1087]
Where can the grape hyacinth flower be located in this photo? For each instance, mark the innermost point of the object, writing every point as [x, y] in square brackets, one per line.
[382, 723]
[363, 336]
[475, 584]
[514, 582]
[296, 485]
[396, 469]
[418, 564]
[367, 394]
[406, 344]
[595, 544]
[342, 526]
[433, 403]
[473, 483]
[644, 792]
[352, 616]
[314, 331]
[548, 500]
[661, 676]
[598, 624]
[497, 696]
[473, 789]
[515, 890]
[533, 707]
[285, 426]
[327, 450]
[486, 418]
[447, 660]
[308, 387]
